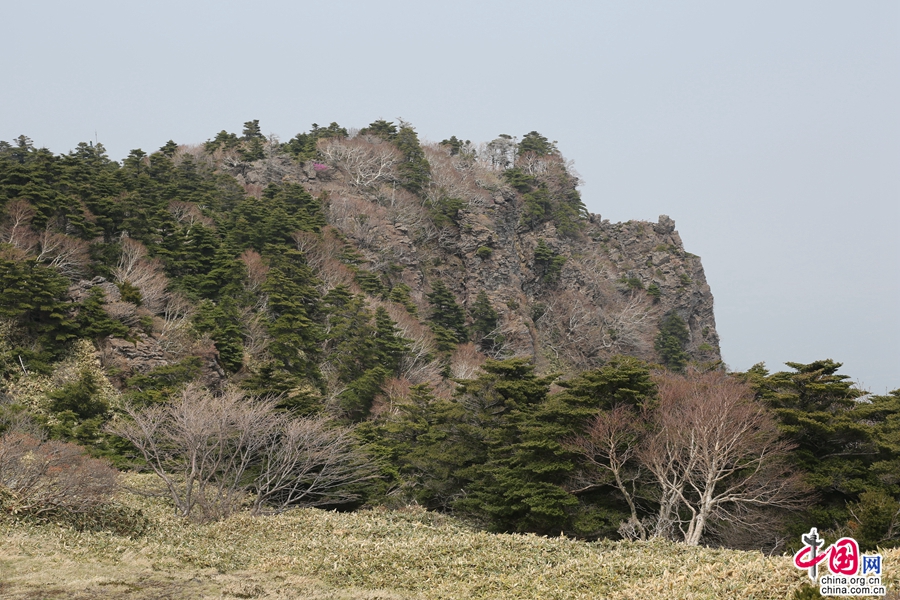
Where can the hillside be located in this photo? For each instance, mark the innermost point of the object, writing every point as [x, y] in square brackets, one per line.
[383, 322]
[188, 235]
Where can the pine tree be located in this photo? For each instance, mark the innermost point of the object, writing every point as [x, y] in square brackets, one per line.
[32, 298]
[484, 321]
[290, 286]
[415, 172]
[817, 409]
[447, 318]
[536, 143]
[519, 485]
[671, 342]
[389, 346]
[94, 322]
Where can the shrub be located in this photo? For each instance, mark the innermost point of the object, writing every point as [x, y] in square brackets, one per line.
[39, 477]
[484, 252]
[213, 452]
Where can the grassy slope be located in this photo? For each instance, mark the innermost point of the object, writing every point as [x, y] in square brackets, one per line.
[368, 555]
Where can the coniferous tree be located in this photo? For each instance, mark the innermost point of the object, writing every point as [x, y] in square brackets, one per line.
[389, 344]
[415, 172]
[484, 321]
[447, 318]
[817, 410]
[94, 322]
[671, 342]
[292, 307]
[381, 128]
[303, 145]
[518, 486]
[536, 143]
[220, 321]
[32, 298]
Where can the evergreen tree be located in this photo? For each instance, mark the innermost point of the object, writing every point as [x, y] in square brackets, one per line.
[518, 486]
[389, 345]
[484, 321]
[221, 322]
[671, 342]
[547, 262]
[536, 143]
[253, 141]
[32, 298]
[303, 145]
[400, 294]
[292, 307]
[817, 409]
[381, 128]
[94, 322]
[447, 318]
[415, 172]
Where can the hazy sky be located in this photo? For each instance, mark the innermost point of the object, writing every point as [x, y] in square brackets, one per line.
[770, 131]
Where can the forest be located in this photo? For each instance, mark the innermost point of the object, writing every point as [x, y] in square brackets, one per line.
[228, 317]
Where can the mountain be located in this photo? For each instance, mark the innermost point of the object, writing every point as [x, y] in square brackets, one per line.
[468, 252]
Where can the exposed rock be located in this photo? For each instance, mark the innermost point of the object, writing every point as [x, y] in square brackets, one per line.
[606, 294]
[79, 291]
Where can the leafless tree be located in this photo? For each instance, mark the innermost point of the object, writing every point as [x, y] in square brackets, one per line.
[717, 452]
[188, 214]
[583, 331]
[16, 228]
[173, 323]
[257, 269]
[706, 456]
[466, 361]
[417, 365]
[609, 447]
[46, 476]
[452, 177]
[500, 153]
[366, 162]
[212, 452]
[66, 254]
[309, 462]
[364, 221]
[143, 273]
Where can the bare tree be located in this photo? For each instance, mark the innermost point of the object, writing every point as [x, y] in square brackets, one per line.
[717, 453]
[16, 228]
[213, 451]
[707, 456]
[143, 273]
[309, 463]
[188, 214]
[257, 269]
[173, 323]
[584, 330]
[609, 448]
[66, 254]
[46, 476]
[466, 361]
[366, 162]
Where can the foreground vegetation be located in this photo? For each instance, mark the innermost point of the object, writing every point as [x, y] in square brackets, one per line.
[409, 553]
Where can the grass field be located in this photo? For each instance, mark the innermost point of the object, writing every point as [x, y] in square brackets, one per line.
[368, 555]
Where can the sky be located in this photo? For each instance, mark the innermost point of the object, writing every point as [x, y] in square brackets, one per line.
[770, 131]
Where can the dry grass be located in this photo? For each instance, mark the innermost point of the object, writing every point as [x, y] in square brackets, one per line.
[368, 555]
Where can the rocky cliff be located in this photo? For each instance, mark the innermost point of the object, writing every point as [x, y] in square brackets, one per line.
[268, 263]
[570, 292]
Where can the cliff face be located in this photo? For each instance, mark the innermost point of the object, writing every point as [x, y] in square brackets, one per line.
[568, 296]
[252, 260]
